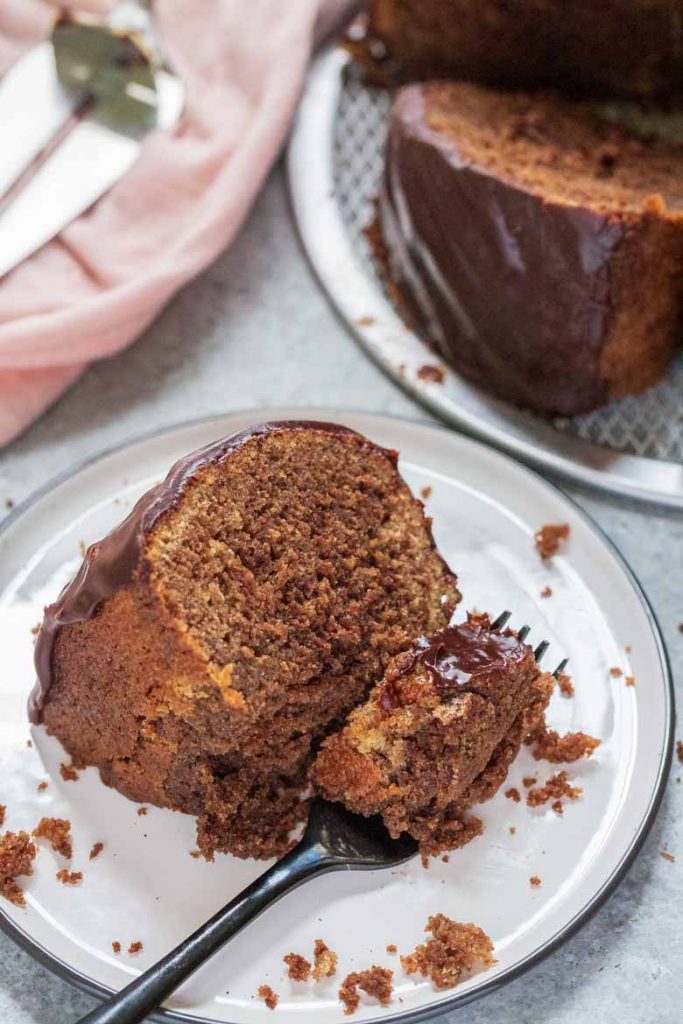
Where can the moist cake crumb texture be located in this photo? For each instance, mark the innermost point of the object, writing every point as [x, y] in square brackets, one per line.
[298, 967]
[17, 854]
[135, 947]
[269, 997]
[438, 734]
[96, 850]
[547, 745]
[68, 772]
[57, 831]
[453, 950]
[69, 877]
[550, 539]
[210, 643]
[376, 982]
[555, 788]
[324, 961]
[535, 881]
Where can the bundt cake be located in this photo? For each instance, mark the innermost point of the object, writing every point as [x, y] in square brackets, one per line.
[539, 248]
[617, 47]
[438, 734]
[246, 604]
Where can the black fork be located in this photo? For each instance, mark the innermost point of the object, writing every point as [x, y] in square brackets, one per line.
[523, 633]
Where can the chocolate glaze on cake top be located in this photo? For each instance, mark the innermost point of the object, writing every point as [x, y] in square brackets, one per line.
[497, 298]
[455, 659]
[111, 563]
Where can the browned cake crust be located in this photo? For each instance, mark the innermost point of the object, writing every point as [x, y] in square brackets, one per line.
[539, 249]
[438, 734]
[245, 606]
[616, 47]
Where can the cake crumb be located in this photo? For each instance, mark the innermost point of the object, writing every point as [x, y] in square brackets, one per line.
[535, 881]
[454, 949]
[513, 794]
[196, 854]
[680, 627]
[679, 750]
[556, 787]
[57, 831]
[365, 321]
[628, 648]
[391, 948]
[96, 850]
[548, 745]
[269, 997]
[35, 630]
[324, 961]
[425, 493]
[615, 672]
[667, 856]
[550, 539]
[68, 772]
[17, 854]
[9, 502]
[41, 787]
[565, 685]
[376, 982]
[135, 947]
[142, 811]
[298, 967]
[630, 681]
[512, 830]
[69, 877]
[116, 946]
[29, 743]
[446, 858]
[547, 592]
[528, 781]
[432, 373]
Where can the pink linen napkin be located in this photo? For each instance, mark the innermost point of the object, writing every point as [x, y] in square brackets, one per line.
[88, 293]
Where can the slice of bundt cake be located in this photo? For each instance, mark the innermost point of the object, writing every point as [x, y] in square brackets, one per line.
[539, 248]
[438, 734]
[614, 48]
[241, 610]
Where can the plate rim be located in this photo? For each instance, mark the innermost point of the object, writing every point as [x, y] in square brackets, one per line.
[86, 984]
[315, 211]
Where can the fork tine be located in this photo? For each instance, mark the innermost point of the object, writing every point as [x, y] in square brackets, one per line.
[523, 633]
[501, 620]
[540, 650]
[560, 668]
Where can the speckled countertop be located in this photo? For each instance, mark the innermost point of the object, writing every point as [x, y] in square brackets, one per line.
[255, 331]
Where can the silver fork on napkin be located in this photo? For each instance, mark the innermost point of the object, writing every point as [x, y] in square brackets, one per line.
[74, 111]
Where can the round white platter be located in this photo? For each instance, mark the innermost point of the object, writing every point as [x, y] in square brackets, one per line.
[144, 885]
[631, 447]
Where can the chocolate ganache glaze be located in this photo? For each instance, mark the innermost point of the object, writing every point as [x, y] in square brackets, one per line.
[513, 291]
[454, 659]
[111, 563]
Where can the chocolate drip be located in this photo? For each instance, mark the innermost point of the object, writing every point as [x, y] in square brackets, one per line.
[111, 563]
[454, 659]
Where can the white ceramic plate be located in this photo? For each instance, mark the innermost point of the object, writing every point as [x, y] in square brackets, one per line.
[144, 885]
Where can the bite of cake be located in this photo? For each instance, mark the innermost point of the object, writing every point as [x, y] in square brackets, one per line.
[438, 734]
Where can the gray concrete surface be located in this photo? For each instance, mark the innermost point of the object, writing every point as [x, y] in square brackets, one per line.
[255, 331]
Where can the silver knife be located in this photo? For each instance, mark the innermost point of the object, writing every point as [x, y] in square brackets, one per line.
[73, 114]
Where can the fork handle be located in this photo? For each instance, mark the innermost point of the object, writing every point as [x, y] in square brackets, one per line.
[133, 1003]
